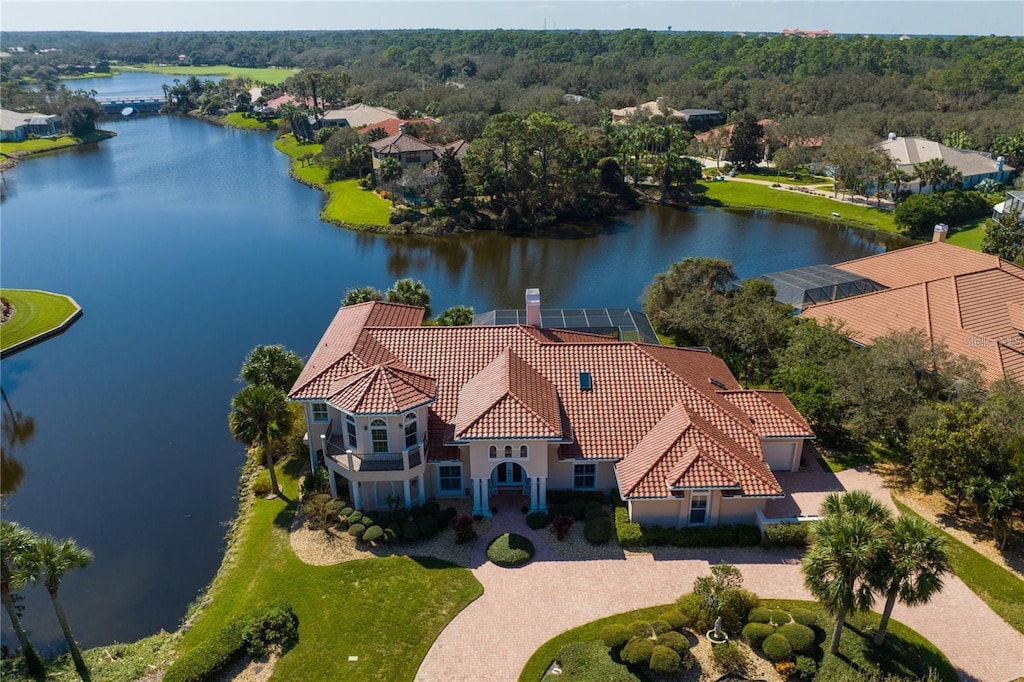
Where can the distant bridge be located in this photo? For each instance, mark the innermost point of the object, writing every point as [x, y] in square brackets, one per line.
[139, 104]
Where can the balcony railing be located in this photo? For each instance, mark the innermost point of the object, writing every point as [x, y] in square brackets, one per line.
[410, 458]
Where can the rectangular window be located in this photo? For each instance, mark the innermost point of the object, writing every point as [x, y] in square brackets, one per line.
[411, 436]
[350, 427]
[584, 476]
[320, 412]
[379, 435]
[449, 479]
[698, 509]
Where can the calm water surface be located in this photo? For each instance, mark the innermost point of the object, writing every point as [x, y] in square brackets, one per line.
[187, 244]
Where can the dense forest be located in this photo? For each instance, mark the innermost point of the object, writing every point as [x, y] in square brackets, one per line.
[927, 86]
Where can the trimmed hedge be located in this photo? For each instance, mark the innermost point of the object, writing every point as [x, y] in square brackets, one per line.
[759, 614]
[598, 531]
[640, 628]
[676, 619]
[780, 617]
[787, 535]
[357, 531]
[537, 520]
[373, 534]
[410, 531]
[562, 496]
[676, 641]
[250, 633]
[355, 517]
[638, 651]
[510, 549]
[756, 633]
[615, 636]
[660, 627]
[631, 534]
[427, 525]
[803, 616]
[777, 648]
[664, 661]
[800, 637]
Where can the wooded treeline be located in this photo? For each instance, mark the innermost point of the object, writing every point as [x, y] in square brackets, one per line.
[927, 86]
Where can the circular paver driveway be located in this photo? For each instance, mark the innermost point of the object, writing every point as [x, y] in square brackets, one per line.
[522, 608]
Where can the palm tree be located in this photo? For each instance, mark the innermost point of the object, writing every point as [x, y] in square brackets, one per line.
[934, 172]
[273, 366]
[410, 292]
[259, 414]
[911, 567]
[56, 558]
[845, 544]
[999, 506]
[898, 177]
[17, 569]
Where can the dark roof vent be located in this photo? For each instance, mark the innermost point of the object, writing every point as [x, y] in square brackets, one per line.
[716, 382]
[586, 381]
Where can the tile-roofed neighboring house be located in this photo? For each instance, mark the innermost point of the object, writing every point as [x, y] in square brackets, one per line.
[967, 300]
[411, 151]
[647, 109]
[356, 116]
[906, 152]
[477, 409]
[394, 125]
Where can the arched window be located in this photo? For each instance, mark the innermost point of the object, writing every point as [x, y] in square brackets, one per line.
[379, 435]
[523, 452]
[508, 451]
[411, 432]
[492, 452]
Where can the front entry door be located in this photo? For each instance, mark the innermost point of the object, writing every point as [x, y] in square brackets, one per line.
[508, 474]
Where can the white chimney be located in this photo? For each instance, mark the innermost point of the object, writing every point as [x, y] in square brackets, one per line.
[533, 307]
[939, 235]
[892, 136]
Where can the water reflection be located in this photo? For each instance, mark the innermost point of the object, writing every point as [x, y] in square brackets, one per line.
[16, 430]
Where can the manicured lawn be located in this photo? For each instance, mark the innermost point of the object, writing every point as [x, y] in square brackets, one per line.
[999, 588]
[36, 312]
[266, 75]
[750, 195]
[905, 652]
[238, 120]
[969, 235]
[49, 144]
[347, 202]
[848, 456]
[388, 612]
[770, 174]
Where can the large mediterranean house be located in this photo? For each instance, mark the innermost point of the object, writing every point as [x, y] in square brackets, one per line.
[398, 411]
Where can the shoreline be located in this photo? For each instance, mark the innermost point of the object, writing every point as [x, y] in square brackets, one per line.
[48, 331]
[11, 158]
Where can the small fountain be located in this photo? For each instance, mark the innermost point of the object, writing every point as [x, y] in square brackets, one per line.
[718, 635]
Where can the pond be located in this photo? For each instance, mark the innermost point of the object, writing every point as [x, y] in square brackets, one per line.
[186, 244]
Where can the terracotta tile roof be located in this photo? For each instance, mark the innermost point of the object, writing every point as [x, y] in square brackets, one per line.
[967, 300]
[772, 414]
[359, 115]
[393, 126]
[400, 143]
[506, 399]
[495, 379]
[382, 389]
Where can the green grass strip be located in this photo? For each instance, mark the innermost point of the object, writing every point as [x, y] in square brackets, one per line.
[999, 588]
[266, 75]
[39, 145]
[237, 119]
[36, 313]
[387, 612]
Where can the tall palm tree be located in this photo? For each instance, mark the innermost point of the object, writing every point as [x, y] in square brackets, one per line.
[271, 365]
[934, 172]
[911, 567]
[898, 177]
[259, 414]
[845, 544]
[56, 558]
[17, 569]
[409, 292]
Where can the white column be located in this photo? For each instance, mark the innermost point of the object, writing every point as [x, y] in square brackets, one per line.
[354, 487]
[543, 492]
[407, 493]
[423, 493]
[534, 482]
[333, 483]
[475, 484]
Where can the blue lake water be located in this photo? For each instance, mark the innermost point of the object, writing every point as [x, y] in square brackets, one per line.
[187, 244]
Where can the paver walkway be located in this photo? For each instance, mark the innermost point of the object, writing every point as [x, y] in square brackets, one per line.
[522, 608]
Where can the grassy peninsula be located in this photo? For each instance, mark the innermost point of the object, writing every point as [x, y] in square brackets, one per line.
[41, 145]
[37, 314]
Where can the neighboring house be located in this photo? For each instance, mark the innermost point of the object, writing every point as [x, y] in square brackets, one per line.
[403, 411]
[355, 116]
[16, 126]
[393, 126]
[412, 152]
[970, 301]
[647, 109]
[1014, 203]
[702, 119]
[974, 167]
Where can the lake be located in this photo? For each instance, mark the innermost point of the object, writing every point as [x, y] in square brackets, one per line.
[187, 244]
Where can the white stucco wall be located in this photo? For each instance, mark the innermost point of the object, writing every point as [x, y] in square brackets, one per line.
[781, 455]
[733, 510]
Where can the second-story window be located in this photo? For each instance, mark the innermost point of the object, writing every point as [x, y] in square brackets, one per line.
[508, 451]
[350, 427]
[379, 435]
[492, 452]
[411, 432]
[524, 452]
[320, 412]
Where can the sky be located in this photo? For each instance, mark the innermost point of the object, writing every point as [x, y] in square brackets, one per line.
[915, 17]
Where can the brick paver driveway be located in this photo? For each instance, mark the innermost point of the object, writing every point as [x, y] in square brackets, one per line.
[524, 607]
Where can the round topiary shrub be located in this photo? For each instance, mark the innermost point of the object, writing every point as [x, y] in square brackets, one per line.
[777, 648]
[357, 530]
[410, 531]
[391, 533]
[558, 510]
[676, 641]
[692, 608]
[432, 508]
[578, 509]
[638, 652]
[427, 526]
[759, 615]
[383, 518]
[593, 504]
[369, 521]
[806, 667]
[537, 520]
[676, 619]
[400, 515]
[355, 517]
[449, 513]
[664, 661]
[800, 637]
[347, 511]
[780, 617]
[373, 534]
[598, 531]
[416, 511]
[803, 616]
[756, 633]
[641, 628]
[510, 549]
[660, 627]
[615, 636]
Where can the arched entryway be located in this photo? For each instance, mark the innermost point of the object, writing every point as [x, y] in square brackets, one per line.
[509, 475]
